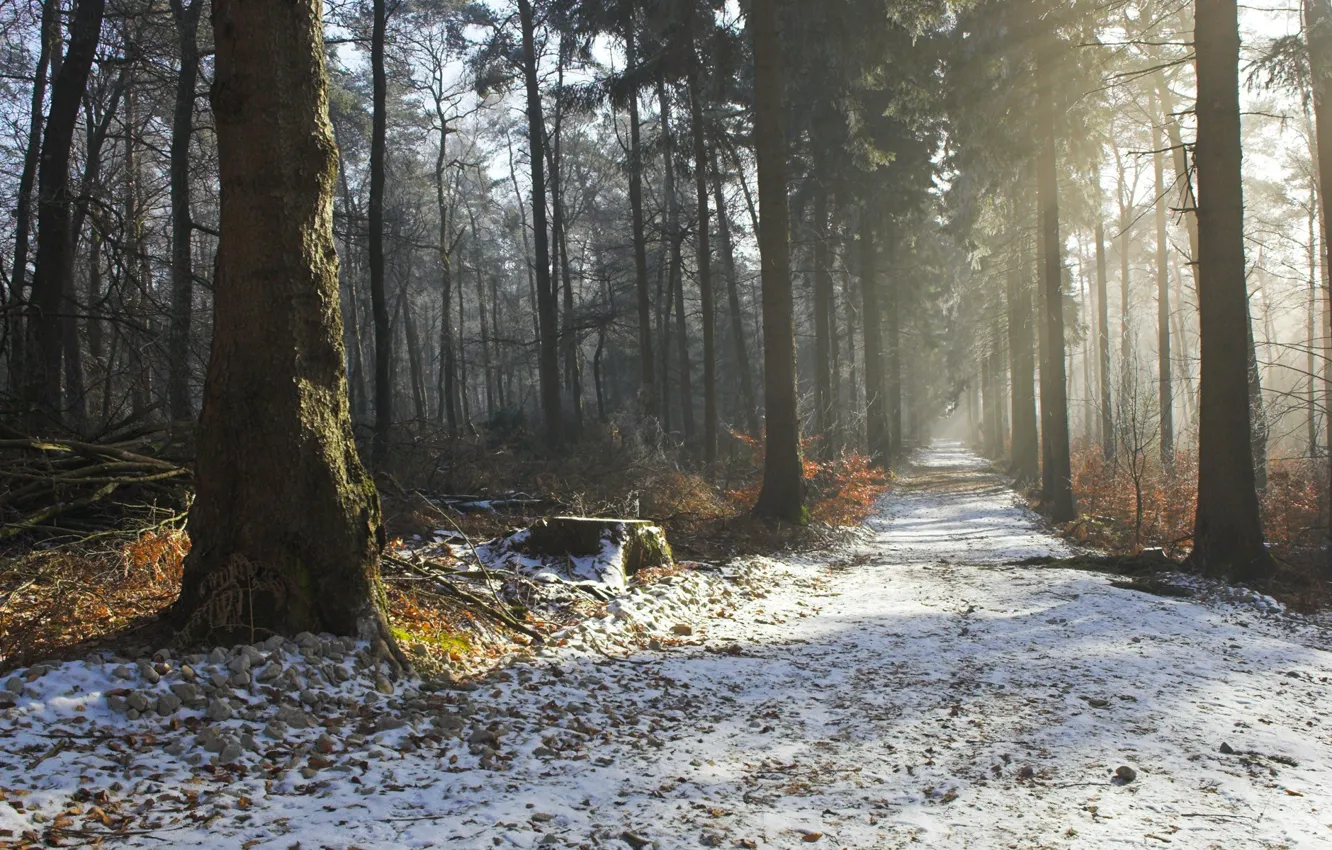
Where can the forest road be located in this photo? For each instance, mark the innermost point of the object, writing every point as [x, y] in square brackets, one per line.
[917, 690]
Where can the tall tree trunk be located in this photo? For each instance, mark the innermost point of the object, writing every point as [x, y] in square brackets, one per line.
[285, 526]
[647, 392]
[782, 494]
[1258, 426]
[447, 411]
[1227, 534]
[356, 378]
[1025, 454]
[379, 453]
[825, 407]
[676, 278]
[1310, 323]
[55, 242]
[548, 362]
[1318, 37]
[1054, 408]
[48, 44]
[892, 309]
[1103, 345]
[876, 416]
[1166, 401]
[182, 226]
[749, 405]
[707, 304]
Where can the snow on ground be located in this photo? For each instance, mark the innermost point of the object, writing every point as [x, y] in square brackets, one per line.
[916, 691]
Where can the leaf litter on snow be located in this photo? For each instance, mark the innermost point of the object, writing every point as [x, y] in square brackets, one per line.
[900, 693]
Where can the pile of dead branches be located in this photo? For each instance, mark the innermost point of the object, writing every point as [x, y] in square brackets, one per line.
[55, 488]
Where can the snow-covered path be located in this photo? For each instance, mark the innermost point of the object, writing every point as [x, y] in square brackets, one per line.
[915, 691]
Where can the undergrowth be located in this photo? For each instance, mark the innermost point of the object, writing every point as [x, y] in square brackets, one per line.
[1291, 506]
[61, 598]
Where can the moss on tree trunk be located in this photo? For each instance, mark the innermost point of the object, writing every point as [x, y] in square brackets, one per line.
[286, 523]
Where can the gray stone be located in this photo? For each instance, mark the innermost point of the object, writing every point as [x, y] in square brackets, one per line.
[149, 675]
[219, 710]
[239, 680]
[217, 656]
[141, 702]
[276, 729]
[117, 704]
[239, 664]
[388, 723]
[123, 671]
[168, 704]
[248, 742]
[270, 672]
[230, 753]
[383, 685]
[185, 691]
[309, 697]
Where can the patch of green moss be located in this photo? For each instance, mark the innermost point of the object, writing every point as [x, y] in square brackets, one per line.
[445, 642]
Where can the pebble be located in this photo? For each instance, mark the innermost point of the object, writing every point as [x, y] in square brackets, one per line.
[1126, 774]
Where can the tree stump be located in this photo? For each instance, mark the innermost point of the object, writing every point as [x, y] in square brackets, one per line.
[643, 544]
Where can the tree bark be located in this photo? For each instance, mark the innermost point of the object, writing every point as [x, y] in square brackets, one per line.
[55, 241]
[782, 493]
[1025, 453]
[285, 526]
[1227, 534]
[182, 226]
[1054, 398]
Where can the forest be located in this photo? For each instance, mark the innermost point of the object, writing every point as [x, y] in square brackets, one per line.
[404, 342]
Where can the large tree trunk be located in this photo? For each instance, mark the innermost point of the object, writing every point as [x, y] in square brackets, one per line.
[647, 392]
[707, 304]
[285, 526]
[782, 494]
[1054, 396]
[1227, 534]
[876, 417]
[379, 453]
[739, 340]
[1166, 401]
[182, 226]
[548, 361]
[55, 241]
